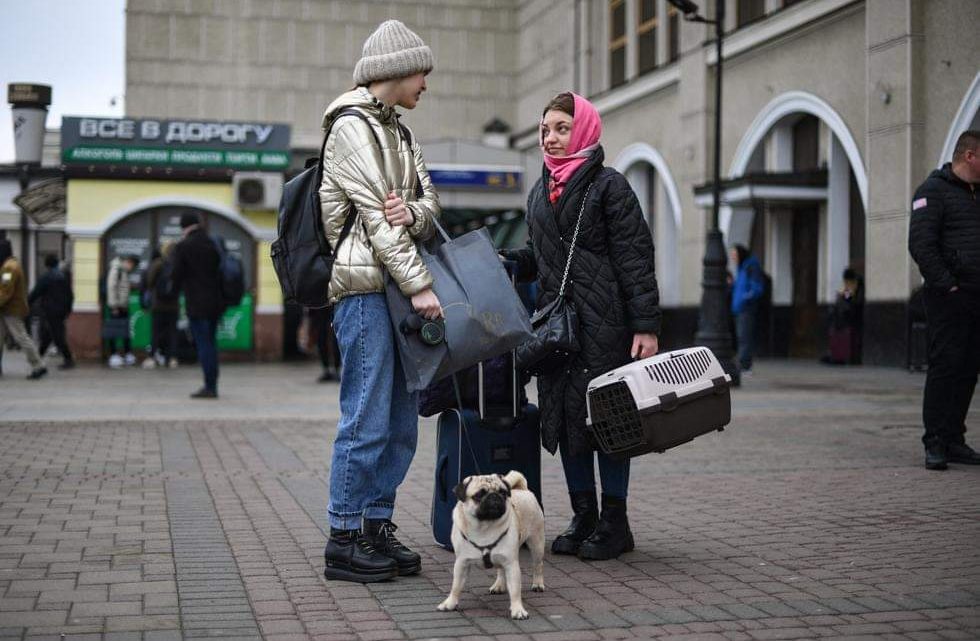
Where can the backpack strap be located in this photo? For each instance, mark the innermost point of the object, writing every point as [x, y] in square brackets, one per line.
[348, 111]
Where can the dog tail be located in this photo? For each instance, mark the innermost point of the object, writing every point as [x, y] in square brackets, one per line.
[516, 480]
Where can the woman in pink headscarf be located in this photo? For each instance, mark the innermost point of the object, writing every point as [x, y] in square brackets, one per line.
[614, 289]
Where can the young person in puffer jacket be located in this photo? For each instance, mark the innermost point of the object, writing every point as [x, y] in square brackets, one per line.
[378, 428]
[614, 289]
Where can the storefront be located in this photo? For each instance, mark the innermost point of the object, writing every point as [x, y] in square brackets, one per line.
[129, 181]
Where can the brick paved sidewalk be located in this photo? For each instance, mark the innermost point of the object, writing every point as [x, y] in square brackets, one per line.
[127, 515]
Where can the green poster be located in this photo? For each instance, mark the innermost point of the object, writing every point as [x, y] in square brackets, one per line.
[234, 329]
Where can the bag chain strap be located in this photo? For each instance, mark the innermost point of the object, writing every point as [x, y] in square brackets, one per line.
[571, 251]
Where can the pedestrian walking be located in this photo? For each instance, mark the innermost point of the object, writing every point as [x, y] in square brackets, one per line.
[747, 291]
[13, 310]
[164, 309]
[118, 288]
[54, 298]
[197, 273]
[613, 286]
[944, 240]
[378, 428]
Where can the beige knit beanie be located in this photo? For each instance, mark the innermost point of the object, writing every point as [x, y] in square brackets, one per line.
[392, 51]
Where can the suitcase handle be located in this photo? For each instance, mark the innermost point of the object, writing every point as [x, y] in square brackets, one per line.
[441, 477]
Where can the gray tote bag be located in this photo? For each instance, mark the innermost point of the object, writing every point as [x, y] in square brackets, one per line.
[484, 316]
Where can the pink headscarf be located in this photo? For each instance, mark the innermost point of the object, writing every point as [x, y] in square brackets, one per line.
[586, 129]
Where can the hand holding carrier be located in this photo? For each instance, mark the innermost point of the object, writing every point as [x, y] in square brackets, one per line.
[659, 403]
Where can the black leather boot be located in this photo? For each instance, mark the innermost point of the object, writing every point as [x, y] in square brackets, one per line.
[612, 535]
[381, 534]
[936, 458]
[349, 556]
[585, 509]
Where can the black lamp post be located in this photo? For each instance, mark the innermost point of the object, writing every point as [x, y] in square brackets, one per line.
[29, 105]
[714, 319]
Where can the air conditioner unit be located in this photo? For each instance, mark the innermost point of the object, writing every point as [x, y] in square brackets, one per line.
[257, 190]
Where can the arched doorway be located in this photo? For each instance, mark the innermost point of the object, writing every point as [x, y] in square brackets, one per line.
[139, 233]
[650, 177]
[797, 197]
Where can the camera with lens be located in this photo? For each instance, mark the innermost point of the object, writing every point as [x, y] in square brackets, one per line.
[431, 332]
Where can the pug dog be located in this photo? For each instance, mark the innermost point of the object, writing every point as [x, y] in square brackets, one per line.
[494, 516]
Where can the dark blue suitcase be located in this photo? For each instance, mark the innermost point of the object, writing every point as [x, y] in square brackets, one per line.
[494, 445]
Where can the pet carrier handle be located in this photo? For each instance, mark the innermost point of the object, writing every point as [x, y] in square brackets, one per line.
[571, 251]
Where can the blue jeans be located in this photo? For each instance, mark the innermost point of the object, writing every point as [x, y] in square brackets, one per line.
[379, 420]
[745, 333]
[580, 471]
[205, 333]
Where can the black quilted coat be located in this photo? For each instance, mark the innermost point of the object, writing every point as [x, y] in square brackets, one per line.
[944, 233]
[611, 281]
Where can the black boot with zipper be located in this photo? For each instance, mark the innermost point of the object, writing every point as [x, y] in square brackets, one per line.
[586, 515]
[612, 535]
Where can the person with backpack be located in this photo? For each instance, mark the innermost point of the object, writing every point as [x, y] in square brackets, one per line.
[54, 297]
[13, 309]
[371, 172]
[747, 293]
[164, 308]
[197, 273]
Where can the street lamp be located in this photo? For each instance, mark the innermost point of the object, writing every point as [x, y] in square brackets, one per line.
[29, 105]
[713, 321]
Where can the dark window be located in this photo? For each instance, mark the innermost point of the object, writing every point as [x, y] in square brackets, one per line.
[750, 11]
[617, 42]
[806, 144]
[647, 36]
[673, 34]
[786, 3]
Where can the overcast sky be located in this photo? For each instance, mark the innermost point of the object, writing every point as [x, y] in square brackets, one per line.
[76, 46]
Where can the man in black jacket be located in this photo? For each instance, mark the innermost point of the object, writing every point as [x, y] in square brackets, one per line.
[53, 292]
[196, 272]
[944, 239]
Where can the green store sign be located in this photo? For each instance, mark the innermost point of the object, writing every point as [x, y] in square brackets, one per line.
[235, 329]
[271, 160]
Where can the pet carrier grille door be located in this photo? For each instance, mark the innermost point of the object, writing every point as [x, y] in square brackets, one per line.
[659, 403]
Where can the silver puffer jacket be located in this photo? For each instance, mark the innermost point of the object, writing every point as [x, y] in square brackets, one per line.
[356, 171]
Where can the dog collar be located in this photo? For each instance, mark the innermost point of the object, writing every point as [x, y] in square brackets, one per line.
[486, 549]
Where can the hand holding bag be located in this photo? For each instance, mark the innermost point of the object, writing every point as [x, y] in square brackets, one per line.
[555, 326]
[484, 316]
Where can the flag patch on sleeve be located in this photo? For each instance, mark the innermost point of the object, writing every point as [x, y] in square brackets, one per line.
[918, 204]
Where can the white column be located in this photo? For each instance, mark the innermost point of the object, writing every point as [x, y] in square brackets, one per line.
[838, 249]
[779, 148]
[667, 241]
[779, 255]
[632, 47]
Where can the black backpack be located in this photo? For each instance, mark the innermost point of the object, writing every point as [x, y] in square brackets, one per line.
[163, 286]
[301, 255]
[231, 274]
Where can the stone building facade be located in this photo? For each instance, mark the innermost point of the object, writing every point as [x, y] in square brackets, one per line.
[833, 112]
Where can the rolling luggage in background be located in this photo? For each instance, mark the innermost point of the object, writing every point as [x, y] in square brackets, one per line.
[501, 433]
[659, 403]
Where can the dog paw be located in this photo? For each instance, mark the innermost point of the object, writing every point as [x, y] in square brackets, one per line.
[537, 587]
[518, 612]
[498, 587]
[448, 605]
